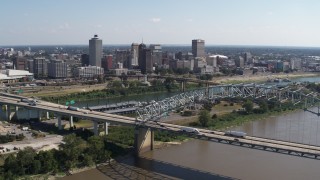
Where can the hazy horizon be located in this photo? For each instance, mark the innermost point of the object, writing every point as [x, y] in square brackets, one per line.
[288, 23]
[165, 45]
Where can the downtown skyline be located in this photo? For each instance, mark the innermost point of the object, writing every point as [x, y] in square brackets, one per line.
[249, 22]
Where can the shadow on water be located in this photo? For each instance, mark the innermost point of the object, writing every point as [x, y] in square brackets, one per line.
[144, 168]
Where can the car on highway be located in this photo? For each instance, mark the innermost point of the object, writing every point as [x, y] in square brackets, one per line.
[190, 130]
[235, 134]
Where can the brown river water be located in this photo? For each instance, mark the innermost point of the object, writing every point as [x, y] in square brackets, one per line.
[199, 159]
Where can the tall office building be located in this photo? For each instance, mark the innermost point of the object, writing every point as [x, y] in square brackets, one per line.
[84, 60]
[156, 54]
[134, 54]
[148, 61]
[20, 63]
[95, 51]
[198, 48]
[142, 58]
[30, 65]
[40, 67]
[106, 62]
[57, 69]
[124, 57]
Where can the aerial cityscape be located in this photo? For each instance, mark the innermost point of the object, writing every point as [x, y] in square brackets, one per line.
[171, 90]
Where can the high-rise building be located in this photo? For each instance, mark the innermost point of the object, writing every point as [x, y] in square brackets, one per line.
[124, 57]
[239, 62]
[40, 67]
[95, 51]
[20, 63]
[156, 54]
[30, 65]
[57, 69]
[142, 58]
[247, 57]
[106, 62]
[84, 60]
[198, 48]
[148, 61]
[134, 54]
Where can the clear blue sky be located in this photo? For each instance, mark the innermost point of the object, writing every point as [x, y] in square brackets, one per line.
[218, 22]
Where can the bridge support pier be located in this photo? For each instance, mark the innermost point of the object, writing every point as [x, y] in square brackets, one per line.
[8, 109]
[29, 114]
[59, 122]
[143, 140]
[1, 111]
[71, 121]
[47, 115]
[5, 108]
[39, 115]
[183, 86]
[106, 125]
[207, 89]
[95, 128]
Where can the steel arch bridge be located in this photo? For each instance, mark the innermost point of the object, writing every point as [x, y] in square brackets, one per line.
[157, 109]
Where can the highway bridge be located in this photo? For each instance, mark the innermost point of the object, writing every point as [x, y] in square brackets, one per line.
[144, 129]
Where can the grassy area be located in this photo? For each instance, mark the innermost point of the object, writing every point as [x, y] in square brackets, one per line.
[63, 90]
[219, 109]
[225, 107]
[184, 120]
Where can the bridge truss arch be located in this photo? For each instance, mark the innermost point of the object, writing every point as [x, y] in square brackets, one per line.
[157, 109]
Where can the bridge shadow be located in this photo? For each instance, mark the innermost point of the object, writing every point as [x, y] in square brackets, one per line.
[48, 126]
[144, 168]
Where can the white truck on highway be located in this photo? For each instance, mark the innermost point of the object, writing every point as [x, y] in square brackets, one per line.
[190, 130]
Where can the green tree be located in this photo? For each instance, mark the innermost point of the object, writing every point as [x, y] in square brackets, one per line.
[9, 176]
[204, 118]
[36, 167]
[169, 82]
[11, 165]
[72, 147]
[25, 160]
[248, 106]
[208, 106]
[264, 106]
[88, 160]
[116, 84]
[95, 147]
[48, 161]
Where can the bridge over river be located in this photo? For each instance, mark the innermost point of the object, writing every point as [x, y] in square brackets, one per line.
[147, 120]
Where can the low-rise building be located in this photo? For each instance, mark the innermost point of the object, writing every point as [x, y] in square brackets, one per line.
[89, 72]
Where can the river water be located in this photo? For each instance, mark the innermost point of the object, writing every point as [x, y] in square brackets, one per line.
[199, 159]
